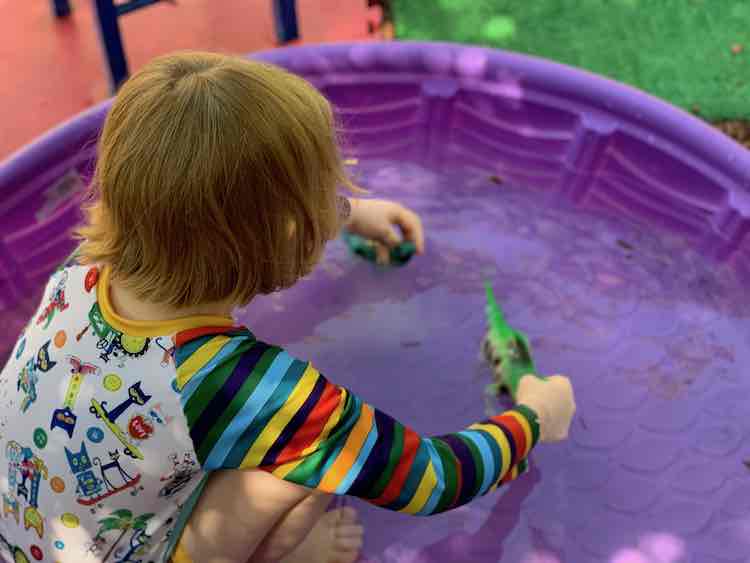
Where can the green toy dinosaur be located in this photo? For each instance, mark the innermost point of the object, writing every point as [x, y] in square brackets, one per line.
[398, 256]
[506, 350]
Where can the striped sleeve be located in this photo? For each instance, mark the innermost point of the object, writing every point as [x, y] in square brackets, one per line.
[251, 405]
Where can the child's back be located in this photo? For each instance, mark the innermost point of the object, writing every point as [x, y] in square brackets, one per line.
[205, 162]
[99, 459]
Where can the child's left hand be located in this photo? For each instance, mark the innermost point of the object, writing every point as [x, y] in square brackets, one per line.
[377, 219]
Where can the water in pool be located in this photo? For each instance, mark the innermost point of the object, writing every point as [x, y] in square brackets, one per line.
[655, 338]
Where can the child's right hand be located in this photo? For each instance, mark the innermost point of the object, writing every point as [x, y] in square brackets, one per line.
[553, 401]
[381, 220]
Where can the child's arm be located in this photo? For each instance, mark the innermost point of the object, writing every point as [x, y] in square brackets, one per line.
[250, 405]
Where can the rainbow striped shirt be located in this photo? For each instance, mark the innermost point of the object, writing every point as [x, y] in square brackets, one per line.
[251, 405]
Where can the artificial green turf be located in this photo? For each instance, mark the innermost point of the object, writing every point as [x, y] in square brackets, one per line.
[679, 50]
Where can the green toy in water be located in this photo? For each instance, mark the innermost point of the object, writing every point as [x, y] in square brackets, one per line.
[506, 350]
[398, 256]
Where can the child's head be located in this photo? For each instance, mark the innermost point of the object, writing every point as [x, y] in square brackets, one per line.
[217, 181]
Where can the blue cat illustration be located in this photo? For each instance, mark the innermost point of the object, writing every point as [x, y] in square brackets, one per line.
[81, 466]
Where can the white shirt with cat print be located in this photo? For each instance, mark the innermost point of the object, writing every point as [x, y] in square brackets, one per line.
[97, 462]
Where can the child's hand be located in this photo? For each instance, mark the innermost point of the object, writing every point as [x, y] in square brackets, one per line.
[553, 400]
[377, 219]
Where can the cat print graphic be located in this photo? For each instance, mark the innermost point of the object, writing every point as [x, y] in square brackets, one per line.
[92, 489]
[25, 472]
[168, 355]
[136, 396]
[64, 417]
[113, 343]
[181, 474]
[29, 375]
[56, 303]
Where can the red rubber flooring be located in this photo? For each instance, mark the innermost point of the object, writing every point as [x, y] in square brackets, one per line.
[52, 69]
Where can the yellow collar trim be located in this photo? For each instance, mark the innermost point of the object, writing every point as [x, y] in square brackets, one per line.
[149, 328]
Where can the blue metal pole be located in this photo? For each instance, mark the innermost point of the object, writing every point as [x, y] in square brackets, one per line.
[109, 32]
[285, 14]
[61, 8]
[132, 5]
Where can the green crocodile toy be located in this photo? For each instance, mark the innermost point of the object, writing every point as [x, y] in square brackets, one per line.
[506, 350]
[399, 254]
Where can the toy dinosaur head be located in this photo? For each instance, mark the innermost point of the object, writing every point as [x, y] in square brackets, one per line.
[506, 349]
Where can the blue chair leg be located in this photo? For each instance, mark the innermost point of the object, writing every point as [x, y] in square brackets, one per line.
[61, 8]
[285, 14]
[109, 33]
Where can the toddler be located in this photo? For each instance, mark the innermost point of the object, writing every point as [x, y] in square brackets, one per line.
[140, 424]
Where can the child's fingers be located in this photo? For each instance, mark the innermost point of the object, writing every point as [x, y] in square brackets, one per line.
[382, 254]
[389, 237]
[411, 225]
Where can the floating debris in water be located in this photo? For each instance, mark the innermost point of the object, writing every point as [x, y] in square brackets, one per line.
[495, 179]
[624, 244]
[410, 343]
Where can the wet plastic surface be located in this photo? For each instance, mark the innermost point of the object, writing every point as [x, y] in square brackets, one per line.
[651, 322]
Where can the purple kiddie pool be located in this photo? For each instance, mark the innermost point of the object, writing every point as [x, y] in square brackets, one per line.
[614, 228]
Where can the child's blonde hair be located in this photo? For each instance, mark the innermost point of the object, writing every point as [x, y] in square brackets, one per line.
[217, 181]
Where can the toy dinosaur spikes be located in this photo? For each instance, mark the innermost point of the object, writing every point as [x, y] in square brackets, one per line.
[507, 350]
